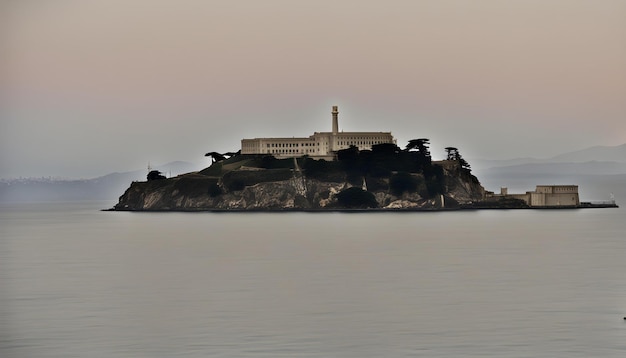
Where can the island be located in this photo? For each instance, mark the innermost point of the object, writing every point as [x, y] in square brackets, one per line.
[335, 171]
[384, 177]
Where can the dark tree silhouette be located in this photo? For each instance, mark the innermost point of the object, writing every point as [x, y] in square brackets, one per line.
[385, 148]
[453, 154]
[155, 175]
[215, 156]
[355, 197]
[349, 158]
[418, 149]
[464, 163]
[420, 145]
[231, 154]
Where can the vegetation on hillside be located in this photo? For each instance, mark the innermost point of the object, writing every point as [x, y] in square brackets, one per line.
[406, 170]
[155, 175]
[386, 167]
[356, 198]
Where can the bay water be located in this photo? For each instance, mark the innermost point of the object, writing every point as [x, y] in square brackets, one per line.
[79, 282]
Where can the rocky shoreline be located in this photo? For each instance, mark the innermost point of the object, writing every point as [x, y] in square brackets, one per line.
[370, 210]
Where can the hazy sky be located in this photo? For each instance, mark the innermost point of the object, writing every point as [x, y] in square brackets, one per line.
[89, 87]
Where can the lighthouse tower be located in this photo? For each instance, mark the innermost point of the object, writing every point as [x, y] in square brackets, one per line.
[333, 137]
[335, 113]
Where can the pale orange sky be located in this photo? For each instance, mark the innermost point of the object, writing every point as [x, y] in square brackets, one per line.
[89, 87]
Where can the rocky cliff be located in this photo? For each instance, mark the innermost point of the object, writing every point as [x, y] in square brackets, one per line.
[235, 185]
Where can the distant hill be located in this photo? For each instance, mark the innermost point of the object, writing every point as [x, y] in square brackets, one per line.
[565, 168]
[598, 171]
[597, 153]
[605, 154]
[107, 187]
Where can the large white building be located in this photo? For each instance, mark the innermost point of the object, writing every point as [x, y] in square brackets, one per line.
[320, 144]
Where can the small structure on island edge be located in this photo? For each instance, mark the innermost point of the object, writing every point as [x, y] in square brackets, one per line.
[320, 145]
[544, 196]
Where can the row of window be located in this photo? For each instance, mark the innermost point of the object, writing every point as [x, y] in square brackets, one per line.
[290, 151]
[557, 189]
[297, 145]
[366, 142]
[290, 145]
[567, 188]
[369, 138]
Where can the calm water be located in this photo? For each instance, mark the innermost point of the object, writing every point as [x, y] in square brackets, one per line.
[77, 282]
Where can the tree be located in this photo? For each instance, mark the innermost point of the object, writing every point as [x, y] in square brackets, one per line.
[231, 154]
[385, 149]
[464, 163]
[155, 175]
[403, 182]
[215, 156]
[418, 149]
[452, 153]
[349, 158]
[420, 145]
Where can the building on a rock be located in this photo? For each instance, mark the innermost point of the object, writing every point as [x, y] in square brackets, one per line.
[320, 145]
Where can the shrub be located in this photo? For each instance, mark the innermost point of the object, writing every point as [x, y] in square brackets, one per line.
[214, 190]
[193, 186]
[323, 170]
[270, 162]
[235, 185]
[354, 178]
[239, 179]
[356, 198]
[403, 182]
[155, 175]
[376, 184]
[379, 171]
[435, 182]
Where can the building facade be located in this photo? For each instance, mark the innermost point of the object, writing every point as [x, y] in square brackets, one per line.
[554, 195]
[320, 144]
[546, 196]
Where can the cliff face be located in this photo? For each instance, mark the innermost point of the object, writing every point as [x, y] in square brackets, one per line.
[460, 185]
[200, 192]
[285, 194]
